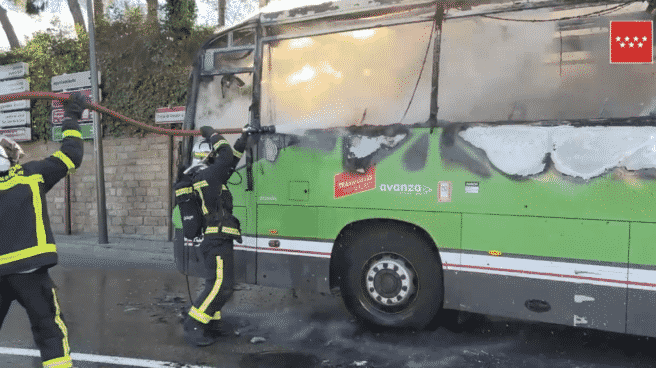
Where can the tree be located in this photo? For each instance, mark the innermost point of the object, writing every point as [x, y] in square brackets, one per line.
[180, 17]
[76, 12]
[151, 12]
[9, 29]
[222, 13]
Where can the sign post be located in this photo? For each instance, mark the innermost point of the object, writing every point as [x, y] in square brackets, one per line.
[170, 115]
[68, 83]
[100, 171]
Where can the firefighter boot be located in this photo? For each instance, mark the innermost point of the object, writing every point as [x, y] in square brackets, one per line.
[195, 333]
[217, 328]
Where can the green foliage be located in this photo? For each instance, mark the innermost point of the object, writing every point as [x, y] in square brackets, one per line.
[180, 17]
[142, 68]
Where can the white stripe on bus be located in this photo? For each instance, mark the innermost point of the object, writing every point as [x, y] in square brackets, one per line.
[295, 247]
[642, 279]
[247, 244]
[546, 270]
[558, 271]
[448, 259]
[493, 265]
[307, 248]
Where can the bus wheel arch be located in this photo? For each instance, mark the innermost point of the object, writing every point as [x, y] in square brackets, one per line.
[372, 269]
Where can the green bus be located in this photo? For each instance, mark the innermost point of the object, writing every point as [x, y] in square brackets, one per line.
[429, 155]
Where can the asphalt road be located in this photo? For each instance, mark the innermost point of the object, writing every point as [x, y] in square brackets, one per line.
[127, 313]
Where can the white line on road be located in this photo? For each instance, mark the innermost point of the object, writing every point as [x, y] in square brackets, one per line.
[145, 363]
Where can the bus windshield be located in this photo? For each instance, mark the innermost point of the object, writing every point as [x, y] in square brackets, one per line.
[223, 102]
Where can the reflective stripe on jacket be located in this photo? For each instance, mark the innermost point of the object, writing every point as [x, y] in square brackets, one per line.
[26, 239]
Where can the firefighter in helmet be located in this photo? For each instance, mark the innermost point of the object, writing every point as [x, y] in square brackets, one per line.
[27, 245]
[206, 208]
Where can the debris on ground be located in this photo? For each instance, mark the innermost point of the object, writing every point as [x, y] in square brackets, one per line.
[257, 339]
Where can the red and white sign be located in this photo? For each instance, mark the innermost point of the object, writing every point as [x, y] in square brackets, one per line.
[58, 108]
[347, 183]
[170, 115]
[631, 42]
[58, 116]
[56, 104]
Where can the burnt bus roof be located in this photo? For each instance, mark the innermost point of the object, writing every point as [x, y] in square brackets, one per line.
[282, 12]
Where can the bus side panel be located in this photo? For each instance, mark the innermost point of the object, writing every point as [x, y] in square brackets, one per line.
[641, 314]
[289, 254]
[443, 228]
[244, 252]
[565, 271]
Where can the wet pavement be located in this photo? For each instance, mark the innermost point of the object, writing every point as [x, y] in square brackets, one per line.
[126, 308]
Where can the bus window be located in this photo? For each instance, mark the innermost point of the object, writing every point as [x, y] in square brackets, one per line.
[368, 77]
[493, 70]
[223, 102]
[228, 61]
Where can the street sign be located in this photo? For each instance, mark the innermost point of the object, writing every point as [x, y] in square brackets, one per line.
[14, 86]
[17, 134]
[170, 115]
[14, 119]
[12, 71]
[84, 92]
[85, 129]
[72, 81]
[15, 105]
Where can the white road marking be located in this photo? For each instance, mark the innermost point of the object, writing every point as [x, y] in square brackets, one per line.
[145, 363]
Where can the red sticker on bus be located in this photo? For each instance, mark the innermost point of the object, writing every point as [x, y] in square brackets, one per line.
[347, 183]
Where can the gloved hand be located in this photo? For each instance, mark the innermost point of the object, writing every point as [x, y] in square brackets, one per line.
[240, 144]
[74, 105]
[207, 132]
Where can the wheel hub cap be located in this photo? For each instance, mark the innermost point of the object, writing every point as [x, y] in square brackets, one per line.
[389, 281]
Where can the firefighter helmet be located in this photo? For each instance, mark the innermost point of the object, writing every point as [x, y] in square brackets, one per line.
[10, 153]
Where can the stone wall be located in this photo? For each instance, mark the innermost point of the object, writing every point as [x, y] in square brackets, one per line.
[136, 187]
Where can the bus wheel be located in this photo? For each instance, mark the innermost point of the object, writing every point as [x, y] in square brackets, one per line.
[391, 278]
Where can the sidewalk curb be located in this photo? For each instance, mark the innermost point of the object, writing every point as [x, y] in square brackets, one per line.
[133, 249]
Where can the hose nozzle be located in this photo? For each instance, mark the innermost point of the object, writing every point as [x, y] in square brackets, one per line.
[265, 129]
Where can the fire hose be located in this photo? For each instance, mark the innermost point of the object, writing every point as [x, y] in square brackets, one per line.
[102, 109]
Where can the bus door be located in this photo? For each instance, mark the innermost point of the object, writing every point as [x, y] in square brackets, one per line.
[289, 252]
[223, 101]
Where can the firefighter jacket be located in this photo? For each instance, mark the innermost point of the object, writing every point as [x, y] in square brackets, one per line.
[26, 239]
[205, 193]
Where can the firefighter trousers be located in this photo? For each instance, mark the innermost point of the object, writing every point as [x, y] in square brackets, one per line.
[219, 261]
[36, 293]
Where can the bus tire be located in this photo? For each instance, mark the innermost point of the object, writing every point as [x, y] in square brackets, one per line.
[391, 278]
